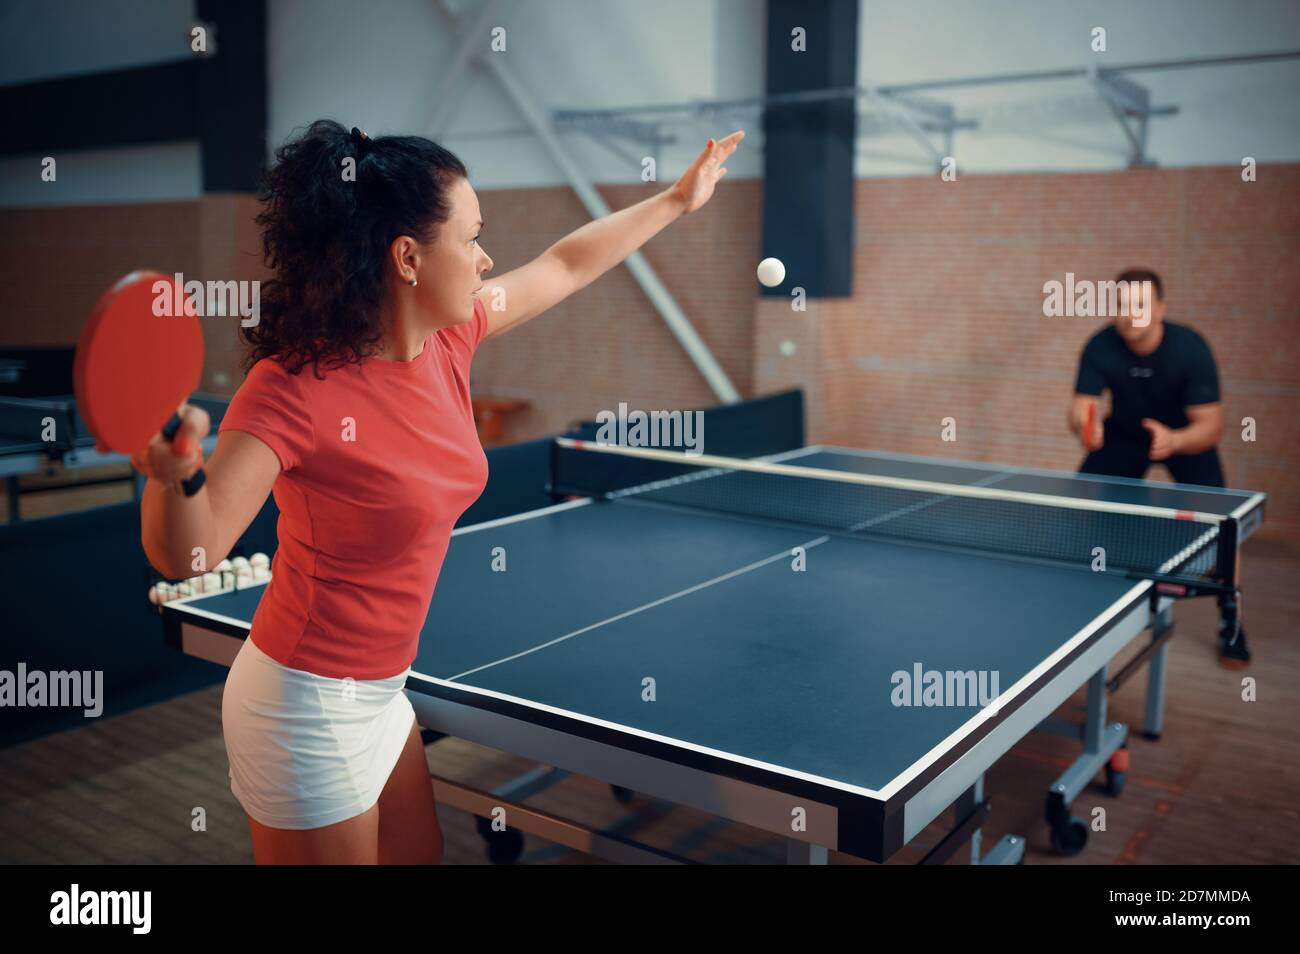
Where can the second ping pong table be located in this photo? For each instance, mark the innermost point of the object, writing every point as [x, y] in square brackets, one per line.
[48, 435]
[749, 666]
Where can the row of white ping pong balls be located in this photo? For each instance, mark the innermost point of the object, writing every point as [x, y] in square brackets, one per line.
[229, 574]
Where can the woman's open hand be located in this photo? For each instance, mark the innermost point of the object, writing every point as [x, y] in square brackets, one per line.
[695, 187]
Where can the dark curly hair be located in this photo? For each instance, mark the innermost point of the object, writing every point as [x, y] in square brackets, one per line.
[327, 239]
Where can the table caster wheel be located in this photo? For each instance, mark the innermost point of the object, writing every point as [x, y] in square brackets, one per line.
[1117, 772]
[503, 847]
[1069, 838]
[622, 795]
[1114, 781]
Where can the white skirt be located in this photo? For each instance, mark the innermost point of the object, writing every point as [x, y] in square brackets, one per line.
[308, 751]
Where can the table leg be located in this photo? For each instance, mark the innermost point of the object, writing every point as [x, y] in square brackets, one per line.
[962, 808]
[802, 853]
[969, 812]
[1154, 722]
[1095, 720]
[1100, 742]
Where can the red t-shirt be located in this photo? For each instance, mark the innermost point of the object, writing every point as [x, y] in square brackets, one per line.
[378, 461]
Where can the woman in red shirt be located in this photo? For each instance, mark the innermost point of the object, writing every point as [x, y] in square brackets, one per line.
[356, 414]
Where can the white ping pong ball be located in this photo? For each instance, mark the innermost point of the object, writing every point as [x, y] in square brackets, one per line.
[771, 272]
[787, 348]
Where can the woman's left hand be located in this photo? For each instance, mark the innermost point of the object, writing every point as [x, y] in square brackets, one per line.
[695, 187]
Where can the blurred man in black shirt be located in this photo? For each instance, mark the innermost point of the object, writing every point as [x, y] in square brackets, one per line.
[1165, 406]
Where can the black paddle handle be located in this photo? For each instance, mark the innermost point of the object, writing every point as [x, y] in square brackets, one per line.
[192, 484]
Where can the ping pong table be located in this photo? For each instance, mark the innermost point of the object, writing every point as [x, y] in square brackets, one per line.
[24, 424]
[745, 660]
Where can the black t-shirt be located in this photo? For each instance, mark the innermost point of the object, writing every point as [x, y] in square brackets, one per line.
[1180, 373]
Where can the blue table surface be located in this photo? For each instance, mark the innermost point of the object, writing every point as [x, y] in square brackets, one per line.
[748, 656]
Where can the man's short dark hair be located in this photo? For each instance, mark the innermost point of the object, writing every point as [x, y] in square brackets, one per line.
[1142, 275]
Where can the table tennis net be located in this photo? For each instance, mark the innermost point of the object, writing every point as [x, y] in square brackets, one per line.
[1132, 543]
[49, 423]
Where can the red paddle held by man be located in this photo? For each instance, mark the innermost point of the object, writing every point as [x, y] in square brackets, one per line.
[1091, 439]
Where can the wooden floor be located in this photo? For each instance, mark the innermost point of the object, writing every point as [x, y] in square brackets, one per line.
[1221, 786]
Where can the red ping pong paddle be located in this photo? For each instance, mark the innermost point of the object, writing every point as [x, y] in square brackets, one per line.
[1090, 421]
[139, 358]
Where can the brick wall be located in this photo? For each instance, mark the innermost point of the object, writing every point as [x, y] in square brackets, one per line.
[946, 316]
[945, 320]
[607, 344]
[55, 262]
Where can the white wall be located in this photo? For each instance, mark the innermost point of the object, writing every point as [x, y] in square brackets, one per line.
[53, 39]
[48, 39]
[375, 64]
[1226, 111]
[339, 59]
